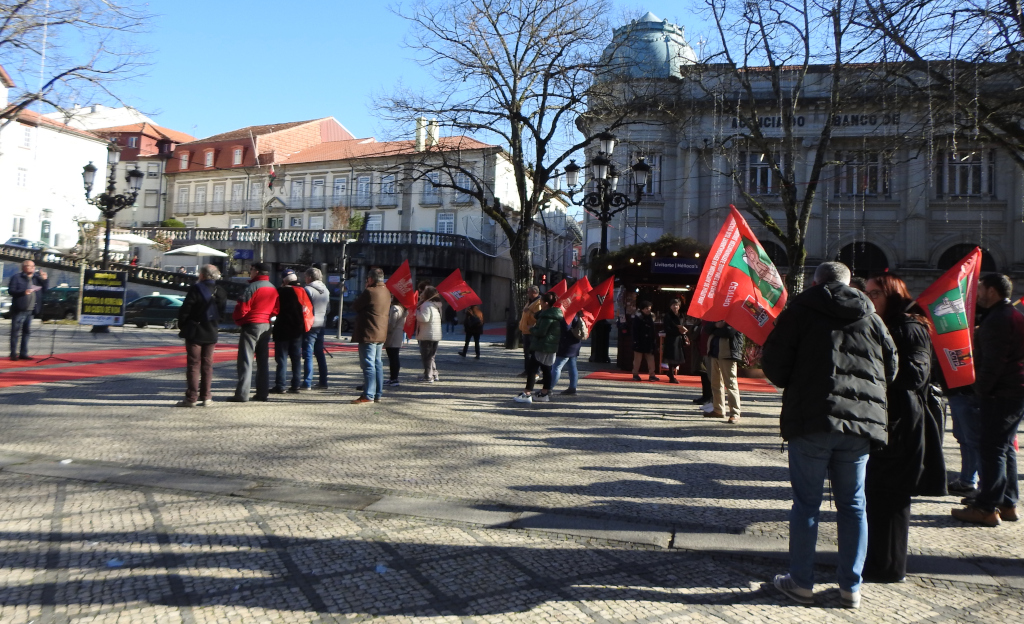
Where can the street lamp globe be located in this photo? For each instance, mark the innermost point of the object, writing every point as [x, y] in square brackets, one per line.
[640, 171]
[572, 173]
[134, 179]
[613, 177]
[89, 176]
[607, 141]
[599, 167]
[113, 154]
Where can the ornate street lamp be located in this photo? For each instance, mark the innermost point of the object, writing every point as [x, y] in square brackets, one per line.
[604, 201]
[109, 202]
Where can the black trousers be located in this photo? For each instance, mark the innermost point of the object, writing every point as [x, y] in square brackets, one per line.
[476, 339]
[531, 374]
[527, 353]
[888, 536]
[705, 385]
[393, 361]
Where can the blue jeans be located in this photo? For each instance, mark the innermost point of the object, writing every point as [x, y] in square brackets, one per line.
[285, 350]
[21, 323]
[373, 368]
[556, 371]
[313, 345]
[843, 458]
[1000, 417]
[966, 427]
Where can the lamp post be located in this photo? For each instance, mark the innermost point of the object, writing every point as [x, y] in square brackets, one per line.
[604, 201]
[110, 203]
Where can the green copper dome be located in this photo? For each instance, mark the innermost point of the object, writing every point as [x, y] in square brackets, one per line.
[648, 48]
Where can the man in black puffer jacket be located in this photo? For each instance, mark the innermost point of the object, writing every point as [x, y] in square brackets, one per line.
[834, 358]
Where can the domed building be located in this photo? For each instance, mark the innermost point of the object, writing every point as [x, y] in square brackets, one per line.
[897, 193]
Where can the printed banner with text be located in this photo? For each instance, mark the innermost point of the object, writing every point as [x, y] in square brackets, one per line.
[103, 295]
[739, 284]
[949, 303]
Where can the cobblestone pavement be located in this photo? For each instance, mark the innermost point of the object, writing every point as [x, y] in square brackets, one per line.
[624, 452]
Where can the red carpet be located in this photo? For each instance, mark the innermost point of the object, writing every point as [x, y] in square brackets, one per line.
[746, 385]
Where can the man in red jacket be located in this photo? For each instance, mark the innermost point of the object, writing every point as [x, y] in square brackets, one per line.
[257, 304]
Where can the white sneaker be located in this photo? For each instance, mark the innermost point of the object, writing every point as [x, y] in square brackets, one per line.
[543, 398]
[524, 398]
[708, 408]
[849, 600]
[425, 380]
[785, 584]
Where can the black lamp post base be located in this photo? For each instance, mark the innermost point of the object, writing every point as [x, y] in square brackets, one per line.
[100, 329]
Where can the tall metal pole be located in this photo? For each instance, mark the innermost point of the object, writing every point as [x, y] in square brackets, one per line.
[341, 286]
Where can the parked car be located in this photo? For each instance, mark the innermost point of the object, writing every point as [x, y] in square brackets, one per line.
[58, 303]
[154, 310]
[5, 300]
[30, 244]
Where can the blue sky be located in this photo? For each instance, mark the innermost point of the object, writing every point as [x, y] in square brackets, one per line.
[218, 65]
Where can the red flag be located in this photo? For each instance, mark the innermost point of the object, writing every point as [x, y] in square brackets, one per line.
[739, 283]
[949, 303]
[457, 292]
[410, 319]
[560, 288]
[401, 286]
[574, 299]
[599, 304]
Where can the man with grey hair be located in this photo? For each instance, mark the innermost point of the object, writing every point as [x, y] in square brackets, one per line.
[833, 357]
[313, 341]
[370, 332]
[527, 321]
[199, 322]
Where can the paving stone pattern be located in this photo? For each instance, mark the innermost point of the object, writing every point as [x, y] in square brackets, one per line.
[616, 453]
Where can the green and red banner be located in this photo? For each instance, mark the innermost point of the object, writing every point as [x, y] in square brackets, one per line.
[949, 303]
[739, 283]
[457, 292]
[599, 303]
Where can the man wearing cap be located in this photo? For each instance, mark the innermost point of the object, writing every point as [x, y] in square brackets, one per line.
[257, 304]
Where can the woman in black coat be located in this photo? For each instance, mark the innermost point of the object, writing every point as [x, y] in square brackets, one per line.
[909, 464]
[675, 339]
[645, 338]
[198, 322]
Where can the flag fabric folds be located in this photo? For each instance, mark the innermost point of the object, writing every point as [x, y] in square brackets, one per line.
[401, 286]
[739, 283]
[949, 303]
[599, 303]
[410, 319]
[572, 301]
[560, 288]
[457, 292]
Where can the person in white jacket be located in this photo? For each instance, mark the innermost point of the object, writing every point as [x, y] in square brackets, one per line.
[396, 336]
[428, 331]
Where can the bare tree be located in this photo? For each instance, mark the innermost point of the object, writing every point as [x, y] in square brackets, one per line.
[770, 63]
[516, 72]
[64, 51]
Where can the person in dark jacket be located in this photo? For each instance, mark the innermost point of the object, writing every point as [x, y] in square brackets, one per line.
[833, 357]
[198, 322]
[26, 290]
[370, 332]
[545, 335]
[313, 340]
[451, 319]
[899, 470]
[474, 326]
[645, 341]
[725, 352]
[569, 344]
[675, 339]
[289, 328]
[999, 388]
[252, 314]
[702, 336]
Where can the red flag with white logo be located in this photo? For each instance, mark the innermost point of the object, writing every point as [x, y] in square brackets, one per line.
[410, 320]
[401, 286]
[457, 292]
[599, 304]
[574, 299]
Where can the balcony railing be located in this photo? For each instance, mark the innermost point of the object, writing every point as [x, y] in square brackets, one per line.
[322, 202]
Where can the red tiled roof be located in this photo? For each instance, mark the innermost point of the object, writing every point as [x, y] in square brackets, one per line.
[243, 133]
[370, 148]
[35, 119]
[150, 129]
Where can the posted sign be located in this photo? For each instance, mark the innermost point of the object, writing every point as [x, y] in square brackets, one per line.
[103, 295]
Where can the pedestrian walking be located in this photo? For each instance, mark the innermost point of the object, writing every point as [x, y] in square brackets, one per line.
[396, 337]
[645, 341]
[198, 323]
[26, 290]
[676, 339]
[572, 334]
[428, 331]
[911, 464]
[526, 322]
[833, 357]
[451, 319]
[474, 326]
[999, 387]
[725, 350]
[966, 416]
[370, 332]
[288, 332]
[252, 314]
[313, 340]
[702, 366]
[545, 335]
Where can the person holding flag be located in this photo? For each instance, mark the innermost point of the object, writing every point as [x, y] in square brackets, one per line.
[396, 336]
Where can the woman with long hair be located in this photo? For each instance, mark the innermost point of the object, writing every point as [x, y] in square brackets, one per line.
[545, 335]
[428, 331]
[474, 326]
[675, 339]
[396, 336]
[910, 464]
[645, 338]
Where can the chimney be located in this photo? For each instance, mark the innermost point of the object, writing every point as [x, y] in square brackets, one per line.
[421, 134]
[433, 133]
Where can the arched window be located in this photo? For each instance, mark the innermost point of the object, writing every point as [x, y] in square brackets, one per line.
[775, 253]
[863, 258]
[956, 253]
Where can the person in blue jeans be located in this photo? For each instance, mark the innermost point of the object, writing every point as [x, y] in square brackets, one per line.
[963, 408]
[834, 358]
[568, 351]
[26, 290]
[370, 331]
[313, 340]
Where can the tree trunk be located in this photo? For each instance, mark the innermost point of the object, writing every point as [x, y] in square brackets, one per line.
[522, 270]
[797, 262]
